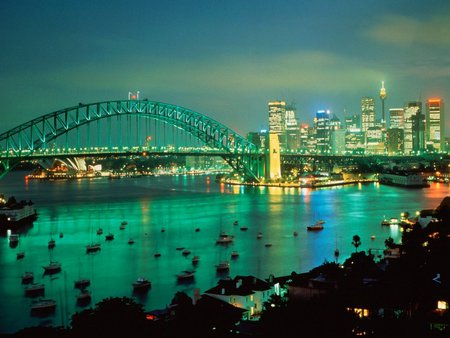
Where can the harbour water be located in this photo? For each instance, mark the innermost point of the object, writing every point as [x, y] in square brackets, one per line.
[166, 213]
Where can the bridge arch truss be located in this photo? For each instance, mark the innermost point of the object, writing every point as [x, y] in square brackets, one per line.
[26, 139]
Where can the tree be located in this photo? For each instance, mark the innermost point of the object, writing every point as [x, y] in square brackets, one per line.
[356, 242]
[389, 243]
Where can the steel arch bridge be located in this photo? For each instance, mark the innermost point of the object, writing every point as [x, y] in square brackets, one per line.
[29, 139]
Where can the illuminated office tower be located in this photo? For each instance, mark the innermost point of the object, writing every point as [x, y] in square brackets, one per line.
[383, 97]
[322, 124]
[414, 128]
[277, 121]
[397, 118]
[353, 122]
[394, 141]
[367, 113]
[292, 129]
[435, 124]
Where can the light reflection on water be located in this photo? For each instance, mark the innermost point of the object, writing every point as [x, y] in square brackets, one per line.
[180, 205]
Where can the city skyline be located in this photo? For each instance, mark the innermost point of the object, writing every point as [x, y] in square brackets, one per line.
[226, 61]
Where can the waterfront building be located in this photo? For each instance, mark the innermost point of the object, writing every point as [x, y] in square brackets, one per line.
[277, 121]
[367, 113]
[292, 129]
[323, 128]
[397, 118]
[435, 124]
[245, 292]
[394, 141]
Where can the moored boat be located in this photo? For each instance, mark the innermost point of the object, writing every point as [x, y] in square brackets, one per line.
[27, 277]
[109, 237]
[52, 267]
[13, 240]
[223, 266]
[34, 289]
[195, 259]
[185, 275]
[234, 254]
[141, 284]
[14, 213]
[99, 231]
[84, 297]
[20, 255]
[224, 239]
[51, 243]
[43, 306]
[82, 283]
[93, 247]
[316, 226]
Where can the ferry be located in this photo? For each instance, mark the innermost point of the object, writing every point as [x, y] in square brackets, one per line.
[14, 213]
[403, 179]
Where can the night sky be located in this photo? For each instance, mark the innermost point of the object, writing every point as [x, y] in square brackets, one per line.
[224, 59]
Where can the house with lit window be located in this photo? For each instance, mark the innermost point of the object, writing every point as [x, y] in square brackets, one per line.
[245, 292]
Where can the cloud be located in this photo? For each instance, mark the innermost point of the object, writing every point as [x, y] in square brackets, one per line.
[406, 31]
[309, 71]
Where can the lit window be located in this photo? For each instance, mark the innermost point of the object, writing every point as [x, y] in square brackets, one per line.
[442, 305]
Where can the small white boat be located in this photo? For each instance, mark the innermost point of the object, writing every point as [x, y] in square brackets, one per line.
[259, 235]
[93, 247]
[34, 289]
[27, 277]
[53, 267]
[185, 275]
[43, 305]
[82, 283]
[141, 284]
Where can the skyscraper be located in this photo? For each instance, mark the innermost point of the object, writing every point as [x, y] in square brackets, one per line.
[396, 118]
[292, 129]
[367, 113]
[322, 124]
[435, 124]
[414, 130]
[277, 121]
